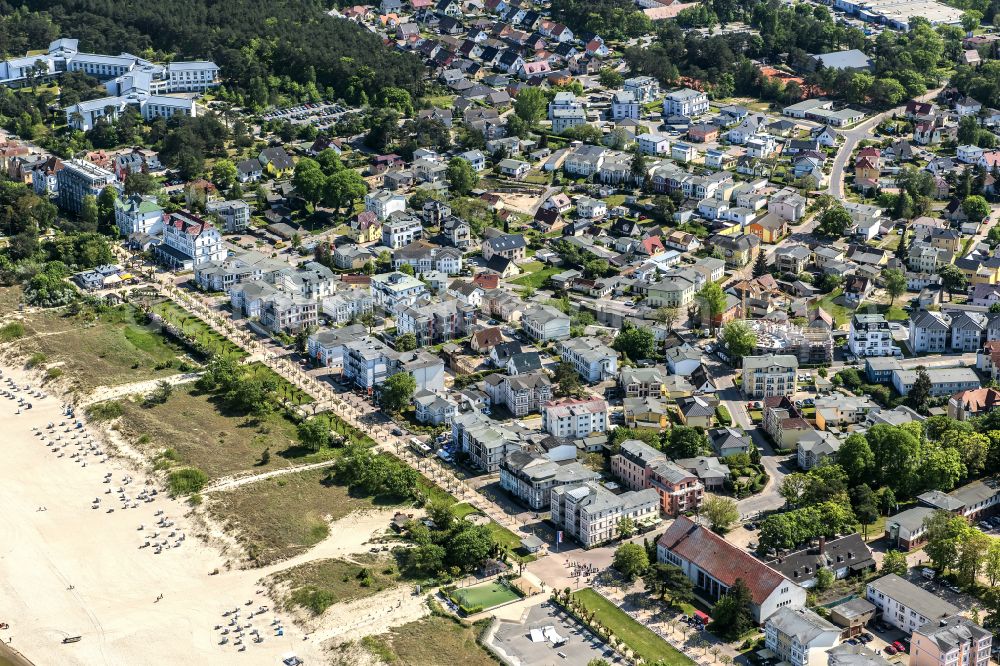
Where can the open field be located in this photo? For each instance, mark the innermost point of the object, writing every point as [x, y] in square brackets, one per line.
[103, 349]
[320, 584]
[204, 434]
[433, 641]
[277, 518]
[641, 640]
[484, 596]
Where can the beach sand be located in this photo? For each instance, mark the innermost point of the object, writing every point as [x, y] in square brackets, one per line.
[112, 604]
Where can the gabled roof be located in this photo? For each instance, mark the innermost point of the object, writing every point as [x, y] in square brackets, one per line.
[720, 559]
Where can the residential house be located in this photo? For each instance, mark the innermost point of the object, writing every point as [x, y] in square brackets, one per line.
[544, 322]
[593, 360]
[951, 640]
[590, 513]
[770, 375]
[685, 102]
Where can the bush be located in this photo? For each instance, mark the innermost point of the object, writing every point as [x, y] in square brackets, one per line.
[186, 481]
[723, 416]
[35, 360]
[12, 331]
[105, 411]
[313, 598]
[53, 373]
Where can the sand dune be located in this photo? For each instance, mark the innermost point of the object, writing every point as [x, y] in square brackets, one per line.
[73, 570]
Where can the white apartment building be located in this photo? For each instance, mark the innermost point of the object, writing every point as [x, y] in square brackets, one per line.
[235, 214]
[384, 203]
[575, 419]
[590, 513]
[770, 375]
[393, 291]
[401, 230]
[530, 478]
[327, 346]
[594, 360]
[904, 605]
[870, 336]
[685, 102]
[347, 305]
[624, 105]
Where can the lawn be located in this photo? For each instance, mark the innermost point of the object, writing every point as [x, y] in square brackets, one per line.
[320, 584]
[203, 433]
[841, 314]
[101, 349]
[197, 330]
[278, 518]
[641, 640]
[537, 279]
[432, 641]
[286, 390]
[483, 596]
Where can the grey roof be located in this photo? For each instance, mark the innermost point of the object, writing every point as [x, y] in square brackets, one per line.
[850, 59]
[506, 242]
[951, 633]
[783, 360]
[695, 406]
[802, 623]
[932, 320]
[941, 500]
[914, 598]
[846, 654]
[849, 551]
[911, 520]
[705, 467]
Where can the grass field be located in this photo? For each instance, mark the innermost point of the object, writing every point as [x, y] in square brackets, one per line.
[206, 435]
[108, 348]
[432, 641]
[320, 584]
[198, 330]
[484, 596]
[278, 518]
[641, 640]
[537, 279]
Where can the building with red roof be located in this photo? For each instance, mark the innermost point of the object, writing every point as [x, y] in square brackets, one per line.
[714, 565]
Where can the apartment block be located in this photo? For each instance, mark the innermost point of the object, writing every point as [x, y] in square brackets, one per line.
[575, 419]
[770, 375]
[590, 513]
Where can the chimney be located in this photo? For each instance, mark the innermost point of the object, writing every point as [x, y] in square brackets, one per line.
[822, 545]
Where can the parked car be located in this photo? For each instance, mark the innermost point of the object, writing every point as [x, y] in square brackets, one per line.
[899, 646]
[889, 650]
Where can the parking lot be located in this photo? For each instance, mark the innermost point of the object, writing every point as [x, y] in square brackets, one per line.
[514, 639]
[319, 113]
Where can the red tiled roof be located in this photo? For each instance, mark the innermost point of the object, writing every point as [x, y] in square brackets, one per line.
[978, 400]
[188, 223]
[720, 559]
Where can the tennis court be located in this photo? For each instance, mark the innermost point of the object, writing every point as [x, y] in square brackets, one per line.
[484, 596]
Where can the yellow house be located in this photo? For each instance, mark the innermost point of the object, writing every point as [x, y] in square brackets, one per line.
[276, 162]
[978, 272]
[645, 413]
[365, 227]
[696, 411]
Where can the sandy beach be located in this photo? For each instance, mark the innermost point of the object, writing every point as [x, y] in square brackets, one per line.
[71, 570]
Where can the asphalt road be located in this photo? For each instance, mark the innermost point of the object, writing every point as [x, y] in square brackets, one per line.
[851, 139]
